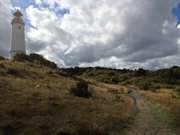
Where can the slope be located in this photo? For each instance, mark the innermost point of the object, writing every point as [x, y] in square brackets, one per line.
[36, 99]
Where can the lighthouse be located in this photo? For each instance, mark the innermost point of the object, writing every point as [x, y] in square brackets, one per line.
[18, 34]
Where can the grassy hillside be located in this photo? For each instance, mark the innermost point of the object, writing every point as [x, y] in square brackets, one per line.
[36, 98]
[144, 79]
[161, 87]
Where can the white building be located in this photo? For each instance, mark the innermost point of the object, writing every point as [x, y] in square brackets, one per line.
[18, 34]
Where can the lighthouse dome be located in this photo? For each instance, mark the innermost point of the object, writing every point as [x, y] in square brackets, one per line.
[18, 18]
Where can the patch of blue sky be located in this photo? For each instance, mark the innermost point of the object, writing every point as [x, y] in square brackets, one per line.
[23, 4]
[176, 13]
[56, 8]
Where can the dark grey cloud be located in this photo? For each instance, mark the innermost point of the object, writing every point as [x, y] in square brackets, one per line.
[35, 46]
[145, 31]
[143, 38]
[5, 28]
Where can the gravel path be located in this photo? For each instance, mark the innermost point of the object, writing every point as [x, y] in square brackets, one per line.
[151, 119]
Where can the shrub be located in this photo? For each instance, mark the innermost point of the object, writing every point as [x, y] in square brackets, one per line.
[21, 57]
[86, 131]
[2, 58]
[2, 65]
[177, 89]
[123, 78]
[38, 59]
[145, 85]
[64, 133]
[86, 128]
[81, 90]
[12, 71]
[8, 130]
[140, 72]
[115, 80]
[35, 58]
[2, 69]
[171, 75]
[175, 110]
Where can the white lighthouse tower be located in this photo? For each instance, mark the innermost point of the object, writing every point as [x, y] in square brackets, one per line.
[18, 34]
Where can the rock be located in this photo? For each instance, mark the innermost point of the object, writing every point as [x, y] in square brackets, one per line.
[37, 86]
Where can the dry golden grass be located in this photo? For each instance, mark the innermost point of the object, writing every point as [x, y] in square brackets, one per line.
[162, 96]
[36, 100]
[171, 101]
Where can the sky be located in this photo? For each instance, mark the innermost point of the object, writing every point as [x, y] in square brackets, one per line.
[108, 33]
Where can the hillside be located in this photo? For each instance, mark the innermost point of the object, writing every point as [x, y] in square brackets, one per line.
[143, 79]
[38, 98]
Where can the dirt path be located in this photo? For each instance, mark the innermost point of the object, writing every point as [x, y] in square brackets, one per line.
[151, 119]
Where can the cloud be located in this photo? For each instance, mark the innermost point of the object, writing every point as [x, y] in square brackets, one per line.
[5, 15]
[133, 32]
[109, 33]
[46, 36]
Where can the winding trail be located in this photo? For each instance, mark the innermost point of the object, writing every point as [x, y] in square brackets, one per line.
[151, 118]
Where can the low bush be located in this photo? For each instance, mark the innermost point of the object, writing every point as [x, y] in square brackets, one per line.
[140, 72]
[81, 90]
[8, 130]
[177, 89]
[2, 58]
[145, 85]
[175, 110]
[177, 119]
[115, 80]
[12, 72]
[86, 131]
[64, 133]
[86, 128]
[38, 59]
[2, 65]
[35, 58]
[21, 57]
